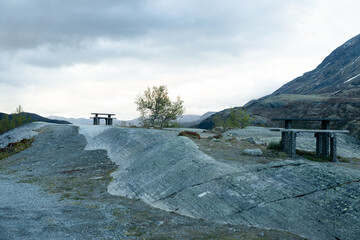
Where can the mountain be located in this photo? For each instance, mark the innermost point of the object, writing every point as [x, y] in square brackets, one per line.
[81, 121]
[332, 90]
[193, 120]
[338, 74]
[184, 120]
[37, 118]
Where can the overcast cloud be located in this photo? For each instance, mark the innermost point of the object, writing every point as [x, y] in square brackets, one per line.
[71, 58]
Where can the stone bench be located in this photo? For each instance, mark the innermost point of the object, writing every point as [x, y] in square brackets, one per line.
[107, 116]
[323, 138]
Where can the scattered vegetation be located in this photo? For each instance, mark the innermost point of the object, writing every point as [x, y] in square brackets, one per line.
[16, 119]
[190, 134]
[156, 109]
[218, 136]
[312, 156]
[275, 146]
[13, 148]
[238, 118]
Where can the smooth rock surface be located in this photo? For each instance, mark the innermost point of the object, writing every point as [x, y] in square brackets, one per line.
[58, 190]
[169, 172]
[310, 199]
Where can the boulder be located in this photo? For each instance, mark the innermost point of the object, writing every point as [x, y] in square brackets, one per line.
[253, 152]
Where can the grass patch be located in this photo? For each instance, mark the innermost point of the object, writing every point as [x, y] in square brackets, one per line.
[13, 148]
[275, 146]
[312, 156]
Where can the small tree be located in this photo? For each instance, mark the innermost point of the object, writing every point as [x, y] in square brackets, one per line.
[19, 118]
[156, 109]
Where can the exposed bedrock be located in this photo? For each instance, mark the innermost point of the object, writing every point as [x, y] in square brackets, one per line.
[314, 200]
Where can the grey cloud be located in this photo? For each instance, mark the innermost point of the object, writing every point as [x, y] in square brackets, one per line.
[29, 23]
[69, 30]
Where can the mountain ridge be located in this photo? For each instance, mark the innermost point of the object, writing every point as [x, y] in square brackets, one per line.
[337, 72]
[36, 118]
[331, 90]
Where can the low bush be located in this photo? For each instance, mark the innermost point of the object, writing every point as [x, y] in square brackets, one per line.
[13, 148]
[190, 134]
[237, 118]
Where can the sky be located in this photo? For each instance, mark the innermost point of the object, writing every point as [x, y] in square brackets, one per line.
[73, 57]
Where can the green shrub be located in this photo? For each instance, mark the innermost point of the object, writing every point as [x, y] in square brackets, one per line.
[237, 118]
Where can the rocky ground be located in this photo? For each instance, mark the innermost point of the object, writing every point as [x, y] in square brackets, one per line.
[58, 190]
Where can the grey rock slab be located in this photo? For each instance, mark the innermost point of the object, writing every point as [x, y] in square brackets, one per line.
[166, 163]
[57, 188]
[314, 200]
[170, 173]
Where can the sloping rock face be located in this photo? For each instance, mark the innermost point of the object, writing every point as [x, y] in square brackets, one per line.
[313, 200]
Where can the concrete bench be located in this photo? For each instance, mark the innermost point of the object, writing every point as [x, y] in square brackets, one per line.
[323, 139]
[107, 116]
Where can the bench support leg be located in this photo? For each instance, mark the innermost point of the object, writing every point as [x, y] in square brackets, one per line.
[333, 152]
[96, 121]
[292, 146]
[318, 144]
[285, 142]
[325, 145]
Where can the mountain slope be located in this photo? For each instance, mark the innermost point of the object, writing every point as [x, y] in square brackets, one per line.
[339, 72]
[332, 90]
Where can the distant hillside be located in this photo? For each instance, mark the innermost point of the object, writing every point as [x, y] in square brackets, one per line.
[36, 118]
[194, 120]
[82, 121]
[187, 120]
[332, 90]
[11, 121]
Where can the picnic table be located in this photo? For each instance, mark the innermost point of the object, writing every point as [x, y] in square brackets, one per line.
[107, 116]
[325, 137]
